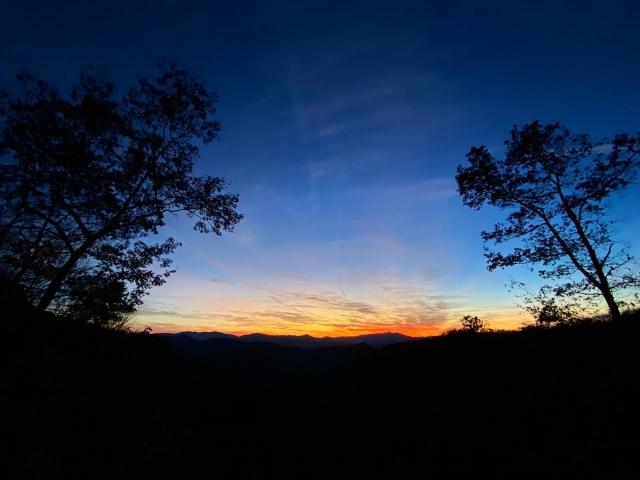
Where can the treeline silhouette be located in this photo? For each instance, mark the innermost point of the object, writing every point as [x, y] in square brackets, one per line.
[85, 402]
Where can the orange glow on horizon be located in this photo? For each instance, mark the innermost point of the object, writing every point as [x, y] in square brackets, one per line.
[410, 332]
[327, 325]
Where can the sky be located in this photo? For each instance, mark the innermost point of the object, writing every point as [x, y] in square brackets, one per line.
[342, 127]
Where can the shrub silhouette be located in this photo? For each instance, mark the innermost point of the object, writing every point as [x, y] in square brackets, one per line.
[473, 324]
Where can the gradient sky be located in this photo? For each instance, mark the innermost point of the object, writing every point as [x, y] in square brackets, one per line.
[343, 124]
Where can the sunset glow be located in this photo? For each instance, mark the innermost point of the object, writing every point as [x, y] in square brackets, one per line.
[341, 134]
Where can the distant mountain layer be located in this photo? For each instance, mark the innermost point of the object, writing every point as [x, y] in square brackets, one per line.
[302, 341]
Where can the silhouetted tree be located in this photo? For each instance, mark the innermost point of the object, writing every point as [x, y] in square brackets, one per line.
[101, 301]
[474, 324]
[86, 179]
[556, 185]
[548, 309]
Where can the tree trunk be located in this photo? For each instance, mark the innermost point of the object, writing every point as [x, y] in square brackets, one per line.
[611, 303]
[60, 277]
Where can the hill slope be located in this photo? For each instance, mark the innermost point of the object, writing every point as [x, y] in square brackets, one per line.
[83, 402]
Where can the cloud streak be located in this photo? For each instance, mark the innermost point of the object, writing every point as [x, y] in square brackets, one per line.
[408, 309]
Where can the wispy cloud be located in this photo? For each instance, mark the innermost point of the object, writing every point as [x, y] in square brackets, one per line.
[407, 194]
[334, 129]
[216, 262]
[165, 295]
[404, 308]
[292, 307]
[292, 277]
[365, 108]
[326, 300]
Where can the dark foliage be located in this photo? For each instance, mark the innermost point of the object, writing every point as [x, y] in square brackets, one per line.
[473, 324]
[85, 180]
[555, 186]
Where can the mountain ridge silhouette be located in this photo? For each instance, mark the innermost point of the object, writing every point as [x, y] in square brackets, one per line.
[300, 341]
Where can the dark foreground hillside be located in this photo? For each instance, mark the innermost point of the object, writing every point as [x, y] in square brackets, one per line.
[80, 402]
[553, 403]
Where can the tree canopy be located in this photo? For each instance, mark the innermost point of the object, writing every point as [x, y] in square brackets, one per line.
[473, 324]
[85, 181]
[556, 187]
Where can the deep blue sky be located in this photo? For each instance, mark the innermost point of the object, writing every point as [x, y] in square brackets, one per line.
[343, 123]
